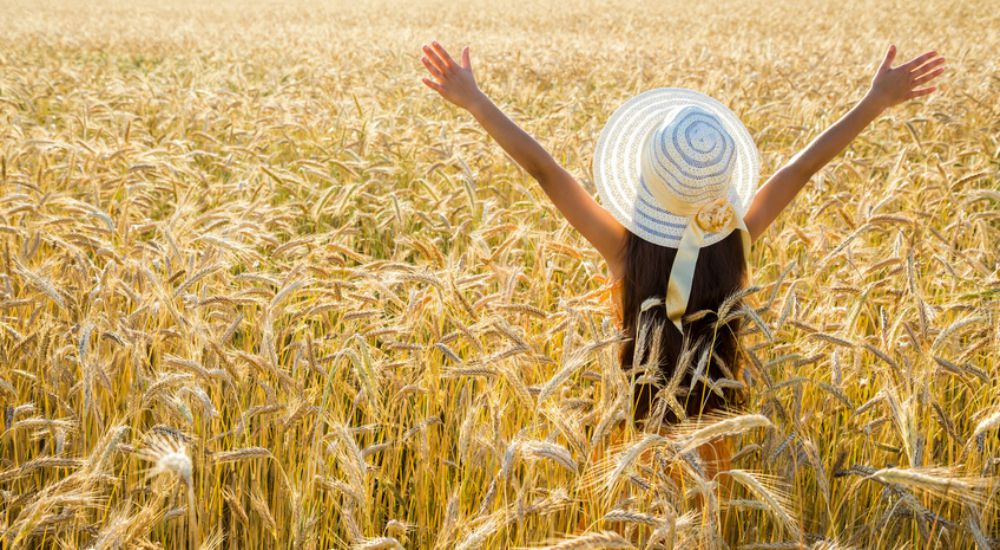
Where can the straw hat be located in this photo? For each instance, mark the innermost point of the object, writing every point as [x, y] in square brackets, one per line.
[678, 169]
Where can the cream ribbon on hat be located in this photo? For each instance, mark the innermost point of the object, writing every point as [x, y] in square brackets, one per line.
[715, 216]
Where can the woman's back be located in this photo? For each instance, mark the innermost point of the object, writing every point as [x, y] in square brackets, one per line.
[657, 354]
[715, 454]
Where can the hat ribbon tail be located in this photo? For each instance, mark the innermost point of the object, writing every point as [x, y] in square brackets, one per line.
[682, 271]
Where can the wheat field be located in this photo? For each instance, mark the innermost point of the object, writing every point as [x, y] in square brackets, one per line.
[262, 288]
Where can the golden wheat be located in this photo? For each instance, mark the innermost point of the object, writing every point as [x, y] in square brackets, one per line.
[260, 287]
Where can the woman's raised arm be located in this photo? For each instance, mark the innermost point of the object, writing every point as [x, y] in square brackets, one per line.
[889, 87]
[456, 84]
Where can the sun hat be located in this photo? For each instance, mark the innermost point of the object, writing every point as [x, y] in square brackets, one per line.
[678, 169]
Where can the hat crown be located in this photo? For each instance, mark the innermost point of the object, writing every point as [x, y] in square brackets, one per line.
[688, 159]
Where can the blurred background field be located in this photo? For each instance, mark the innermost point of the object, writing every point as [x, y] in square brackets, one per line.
[261, 287]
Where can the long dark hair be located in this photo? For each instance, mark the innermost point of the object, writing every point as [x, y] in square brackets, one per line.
[719, 273]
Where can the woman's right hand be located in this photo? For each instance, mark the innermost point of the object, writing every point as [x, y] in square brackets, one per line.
[454, 82]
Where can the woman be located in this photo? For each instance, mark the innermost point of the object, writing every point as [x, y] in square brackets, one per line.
[676, 171]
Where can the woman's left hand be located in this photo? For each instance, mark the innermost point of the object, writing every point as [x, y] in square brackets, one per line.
[894, 85]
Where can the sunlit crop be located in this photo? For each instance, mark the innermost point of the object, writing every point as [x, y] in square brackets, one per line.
[262, 288]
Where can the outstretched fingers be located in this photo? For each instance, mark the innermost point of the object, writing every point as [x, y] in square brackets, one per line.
[927, 77]
[430, 67]
[434, 59]
[923, 91]
[432, 85]
[918, 61]
[449, 63]
[887, 61]
[465, 58]
[927, 67]
[924, 73]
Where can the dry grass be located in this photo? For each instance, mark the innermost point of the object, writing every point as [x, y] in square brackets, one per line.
[260, 287]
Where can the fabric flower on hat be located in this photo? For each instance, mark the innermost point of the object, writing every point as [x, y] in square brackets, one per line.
[716, 215]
